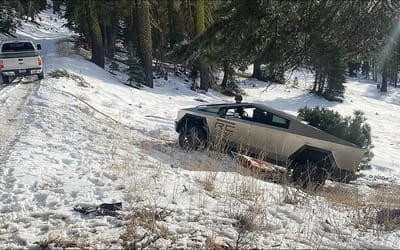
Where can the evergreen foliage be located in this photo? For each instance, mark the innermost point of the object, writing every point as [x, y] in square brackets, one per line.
[230, 84]
[335, 79]
[205, 34]
[289, 34]
[330, 70]
[8, 22]
[352, 129]
[232, 88]
[135, 70]
[23, 9]
[114, 66]
[57, 6]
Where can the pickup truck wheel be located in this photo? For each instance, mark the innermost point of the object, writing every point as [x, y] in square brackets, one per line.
[41, 76]
[6, 79]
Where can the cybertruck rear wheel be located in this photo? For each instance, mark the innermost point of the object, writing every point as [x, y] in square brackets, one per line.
[192, 138]
[306, 175]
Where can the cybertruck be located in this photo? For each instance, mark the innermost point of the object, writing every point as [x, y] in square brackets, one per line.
[272, 135]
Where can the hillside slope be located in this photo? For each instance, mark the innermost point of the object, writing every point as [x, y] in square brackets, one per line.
[93, 140]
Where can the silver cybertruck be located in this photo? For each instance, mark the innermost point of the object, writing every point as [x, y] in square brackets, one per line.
[272, 135]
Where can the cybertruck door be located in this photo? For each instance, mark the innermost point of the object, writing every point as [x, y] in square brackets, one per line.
[268, 135]
[231, 130]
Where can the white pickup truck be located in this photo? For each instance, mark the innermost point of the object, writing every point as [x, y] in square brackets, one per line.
[20, 58]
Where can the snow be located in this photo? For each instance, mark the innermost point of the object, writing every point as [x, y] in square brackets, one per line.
[65, 144]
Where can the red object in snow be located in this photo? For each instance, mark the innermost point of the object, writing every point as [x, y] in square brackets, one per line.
[261, 169]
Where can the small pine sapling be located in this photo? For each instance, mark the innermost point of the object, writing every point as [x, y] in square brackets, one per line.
[114, 67]
[135, 70]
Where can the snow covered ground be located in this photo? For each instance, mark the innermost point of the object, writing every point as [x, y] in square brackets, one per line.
[65, 143]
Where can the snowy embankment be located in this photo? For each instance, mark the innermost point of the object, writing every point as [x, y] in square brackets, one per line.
[66, 143]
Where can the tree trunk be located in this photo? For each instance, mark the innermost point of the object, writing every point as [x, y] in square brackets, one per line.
[257, 70]
[95, 34]
[226, 75]
[110, 41]
[30, 11]
[145, 42]
[321, 84]
[200, 27]
[314, 89]
[104, 33]
[193, 76]
[384, 78]
[42, 4]
[172, 24]
[204, 76]
[131, 20]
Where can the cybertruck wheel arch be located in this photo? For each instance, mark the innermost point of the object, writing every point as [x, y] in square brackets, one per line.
[311, 165]
[193, 132]
[311, 154]
[189, 121]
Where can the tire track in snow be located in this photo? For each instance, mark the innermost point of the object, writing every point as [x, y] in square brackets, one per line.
[11, 129]
[12, 119]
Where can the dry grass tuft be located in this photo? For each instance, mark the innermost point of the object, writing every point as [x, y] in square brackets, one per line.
[293, 196]
[246, 189]
[211, 244]
[386, 196]
[209, 182]
[63, 243]
[247, 221]
[378, 210]
[144, 228]
[64, 73]
[210, 168]
[341, 195]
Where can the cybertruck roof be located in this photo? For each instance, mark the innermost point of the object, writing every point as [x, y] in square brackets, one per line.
[297, 126]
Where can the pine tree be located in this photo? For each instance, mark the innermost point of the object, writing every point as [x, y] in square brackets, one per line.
[56, 6]
[114, 67]
[335, 74]
[135, 70]
[8, 23]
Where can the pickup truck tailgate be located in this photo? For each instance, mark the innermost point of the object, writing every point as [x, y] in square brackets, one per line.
[20, 61]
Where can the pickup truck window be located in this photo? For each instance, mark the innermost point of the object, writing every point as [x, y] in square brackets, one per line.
[17, 47]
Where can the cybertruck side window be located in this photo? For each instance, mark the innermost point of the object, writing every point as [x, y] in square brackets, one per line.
[280, 122]
[241, 112]
[268, 118]
[210, 110]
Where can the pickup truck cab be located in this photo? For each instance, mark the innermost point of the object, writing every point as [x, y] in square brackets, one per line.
[20, 58]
